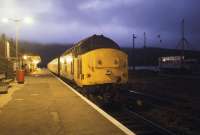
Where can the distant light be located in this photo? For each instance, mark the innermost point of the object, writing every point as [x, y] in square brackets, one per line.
[5, 20]
[164, 60]
[36, 62]
[25, 57]
[28, 20]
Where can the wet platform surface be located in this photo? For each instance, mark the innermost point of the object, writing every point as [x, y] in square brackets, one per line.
[45, 106]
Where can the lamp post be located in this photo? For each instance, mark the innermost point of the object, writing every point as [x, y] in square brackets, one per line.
[17, 22]
[16, 40]
[133, 53]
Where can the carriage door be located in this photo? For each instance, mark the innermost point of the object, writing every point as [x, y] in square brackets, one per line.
[65, 67]
[72, 67]
[79, 68]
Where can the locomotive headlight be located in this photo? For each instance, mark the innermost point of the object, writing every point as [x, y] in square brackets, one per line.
[99, 62]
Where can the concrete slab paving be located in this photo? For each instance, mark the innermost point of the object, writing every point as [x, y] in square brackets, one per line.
[45, 106]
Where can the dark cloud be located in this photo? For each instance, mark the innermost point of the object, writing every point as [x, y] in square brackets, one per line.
[71, 20]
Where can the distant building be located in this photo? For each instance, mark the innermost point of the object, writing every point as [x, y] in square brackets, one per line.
[30, 62]
[7, 47]
[7, 56]
[178, 63]
[2, 45]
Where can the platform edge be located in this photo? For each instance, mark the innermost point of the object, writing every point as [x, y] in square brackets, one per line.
[103, 113]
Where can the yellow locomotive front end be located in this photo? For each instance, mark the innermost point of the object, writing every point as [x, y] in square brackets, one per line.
[104, 66]
[94, 61]
[97, 64]
[98, 61]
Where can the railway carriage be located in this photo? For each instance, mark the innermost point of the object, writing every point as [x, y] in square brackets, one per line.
[96, 61]
[178, 64]
[53, 66]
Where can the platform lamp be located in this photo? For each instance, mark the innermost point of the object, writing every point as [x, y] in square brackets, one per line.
[17, 21]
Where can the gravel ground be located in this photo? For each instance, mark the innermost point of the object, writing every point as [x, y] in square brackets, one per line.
[184, 116]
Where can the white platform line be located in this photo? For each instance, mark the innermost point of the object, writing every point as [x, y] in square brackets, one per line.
[106, 115]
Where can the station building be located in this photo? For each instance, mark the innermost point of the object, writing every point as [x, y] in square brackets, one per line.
[30, 62]
[7, 56]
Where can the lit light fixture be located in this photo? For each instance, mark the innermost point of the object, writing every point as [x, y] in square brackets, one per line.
[5, 20]
[164, 60]
[25, 57]
[28, 20]
[36, 61]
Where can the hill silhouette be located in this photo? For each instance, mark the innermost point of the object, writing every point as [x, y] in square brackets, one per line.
[142, 56]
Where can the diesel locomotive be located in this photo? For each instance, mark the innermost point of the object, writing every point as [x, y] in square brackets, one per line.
[96, 63]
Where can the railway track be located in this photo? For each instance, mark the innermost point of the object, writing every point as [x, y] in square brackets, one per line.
[154, 99]
[193, 76]
[132, 120]
[167, 100]
[162, 103]
[175, 115]
[139, 124]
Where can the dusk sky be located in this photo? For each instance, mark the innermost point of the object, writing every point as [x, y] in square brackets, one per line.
[68, 21]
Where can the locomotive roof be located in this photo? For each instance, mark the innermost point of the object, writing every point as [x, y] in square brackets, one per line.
[92, 43]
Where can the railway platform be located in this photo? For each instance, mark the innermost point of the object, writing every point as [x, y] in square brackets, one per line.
[46, 106]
